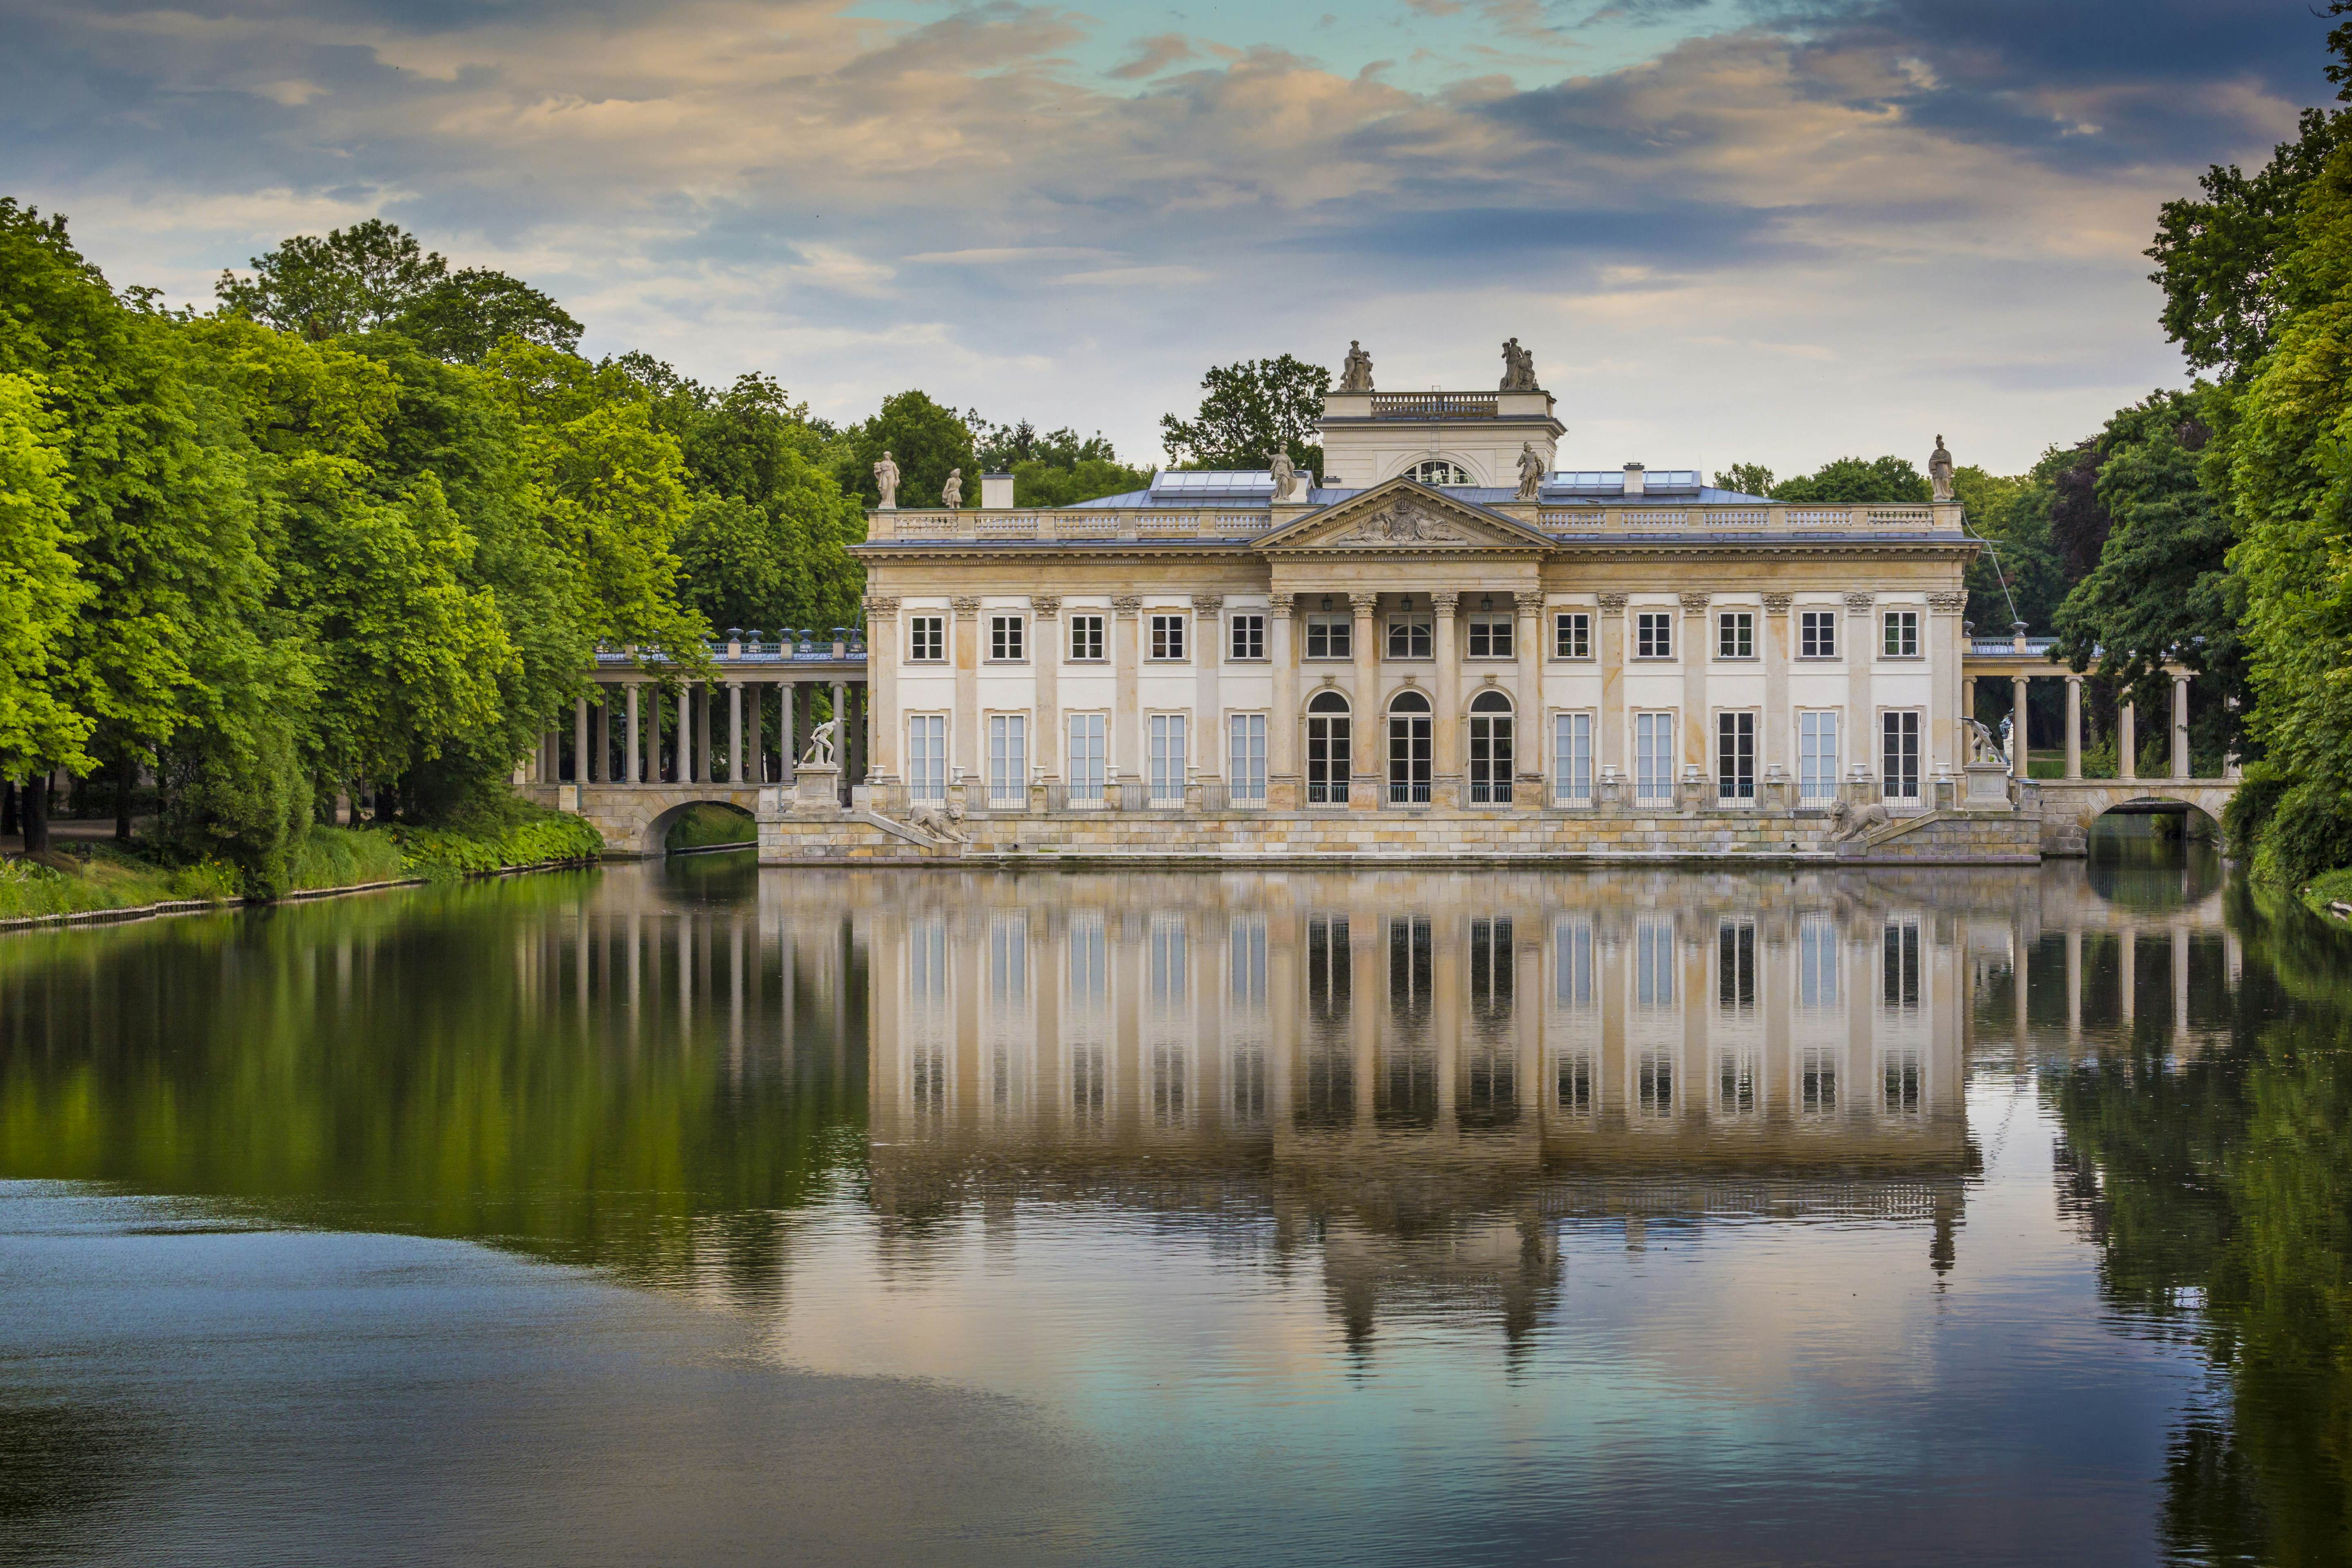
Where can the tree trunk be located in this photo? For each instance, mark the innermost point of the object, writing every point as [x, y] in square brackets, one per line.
[7, 809]
[36, 816]
[126, 780]
[358, 795]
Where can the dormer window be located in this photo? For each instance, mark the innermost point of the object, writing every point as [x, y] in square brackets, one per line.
[1438, 471]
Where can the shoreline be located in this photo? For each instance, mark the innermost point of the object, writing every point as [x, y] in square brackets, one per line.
[301, 895]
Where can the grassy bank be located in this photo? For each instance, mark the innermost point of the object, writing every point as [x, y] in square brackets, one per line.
[85, 877]
[2329, 888]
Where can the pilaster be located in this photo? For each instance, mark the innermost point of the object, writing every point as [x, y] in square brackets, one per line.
[1447, 722]
[1697, 648]
[1613, 742]
[1046, 657]
[1368, 731]
[1861, 650]
[1528, 709]
[1208, 655]
[1127, 713]
[882, 654]
[1282, 724]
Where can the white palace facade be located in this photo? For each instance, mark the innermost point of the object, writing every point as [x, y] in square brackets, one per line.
[1443, 630]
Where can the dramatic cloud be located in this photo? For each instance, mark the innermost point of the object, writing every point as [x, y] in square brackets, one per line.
[1777, 232]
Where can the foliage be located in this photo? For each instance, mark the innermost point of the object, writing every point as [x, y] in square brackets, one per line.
[2018, 578]
[1055, 469]
[1748, 479]
[1249, 410]
[923, 439]
[40, 593]
[346, 858]
[536, 837]
[1850, 481]
[701, 826]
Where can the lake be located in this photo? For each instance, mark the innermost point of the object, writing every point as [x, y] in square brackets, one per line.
[682, 1212]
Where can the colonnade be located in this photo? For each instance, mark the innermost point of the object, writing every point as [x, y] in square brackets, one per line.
[631, 714]
[2126, 724]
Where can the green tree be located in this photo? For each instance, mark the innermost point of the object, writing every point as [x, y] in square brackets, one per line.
[41, 725]
[923, 439]
[1748, 479]
[2017, 578]
[1057, 467]
[1250, 410]
[1848, 481]
[466, 315]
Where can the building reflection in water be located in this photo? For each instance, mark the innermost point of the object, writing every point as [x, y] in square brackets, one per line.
[1417, 1075]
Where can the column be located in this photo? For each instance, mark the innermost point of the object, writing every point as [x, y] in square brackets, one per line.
[1282, 723]
[1046, 657]
[2074, 983]
[1610, 626]
[702, 728]
[1947, 745]
[861, 721]
[2127, 977]
[1208, 653]
[1447, 785]
[2180, 723]
[1370, 729]
[1777, 722]
[1527, 724]
[1697, 647]
[632, 764]
[580, 740]
[882, 652]
[736, 771]
[2127, 742]
[1861, 650]
[963, 725]
[2074, 726]
[788, 729]
[653, 737]
[753, 749]
[1126, 710]
[2179, 935]
[2018, 726]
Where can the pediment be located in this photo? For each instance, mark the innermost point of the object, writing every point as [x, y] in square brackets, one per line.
[1404, 515]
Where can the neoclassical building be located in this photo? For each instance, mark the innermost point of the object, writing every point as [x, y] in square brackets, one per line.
[1443, 630]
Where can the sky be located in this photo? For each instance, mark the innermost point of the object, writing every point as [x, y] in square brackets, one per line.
[1775, 231]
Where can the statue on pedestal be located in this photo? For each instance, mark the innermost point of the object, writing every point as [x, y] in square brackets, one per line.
[1939, 471]
[819, 745]
[1531, 471]
[1286, 475]
[1356, 374]
[952, 493]
[1518, 368]
[886, 479]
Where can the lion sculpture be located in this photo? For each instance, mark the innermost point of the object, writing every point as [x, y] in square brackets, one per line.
[1848, 823]
[938, 822]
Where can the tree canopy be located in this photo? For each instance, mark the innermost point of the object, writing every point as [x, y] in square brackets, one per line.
[1249, 411]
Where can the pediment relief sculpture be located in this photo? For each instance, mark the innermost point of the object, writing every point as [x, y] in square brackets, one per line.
[1403, 523]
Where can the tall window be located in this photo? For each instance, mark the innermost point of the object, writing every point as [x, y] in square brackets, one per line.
[1817, 633]
[1490, 637]
[1005, 640]
[1167, 636]
[1654, 962]
[1247, 632]
[1409, 750]
[1167, 774]
[1571, 634]
[1008, 760]
[1654, 758]
[1735, 635]
[1245, 759]
[927, 757]
[1490, 749]
[1902, 633]
[1734, 756]
[1086, 637]
[1086, 755]
[1817, 962]
[1899, 977]
[1735, 966]
[1571, 759]
[927, 639]
[1330, 636]
[1653, 634]
[1327, 742]
[1817, 757]
[1900, 751]
[1410, 635]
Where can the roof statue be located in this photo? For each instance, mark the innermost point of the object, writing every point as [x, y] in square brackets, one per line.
[1939, 471]
[1531, 471]
[1518, 368]
[952, 493]
[1286, 475]
[1356, 374]
[886, 479]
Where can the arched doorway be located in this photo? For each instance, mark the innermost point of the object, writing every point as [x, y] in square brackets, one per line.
[1328, 739]
[1409, 733]
[1490, 749]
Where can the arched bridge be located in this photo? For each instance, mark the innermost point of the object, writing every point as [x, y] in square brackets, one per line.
[2069, 807]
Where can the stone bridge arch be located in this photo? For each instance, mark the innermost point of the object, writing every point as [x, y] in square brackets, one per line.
[635, 819]
[2069, 807]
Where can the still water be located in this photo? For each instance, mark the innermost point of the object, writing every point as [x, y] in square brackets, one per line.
[690, 1214]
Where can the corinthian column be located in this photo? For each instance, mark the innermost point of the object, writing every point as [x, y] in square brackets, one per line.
[1946, 747]
[1126, 712]
[1611, 630]
[1045, 658]
[964, 727]
[1282, 723]
[882, 696]
[1527, 723]
[1777, 722]
[1697, 647]
[1446, 784]
[1364, 791]
[1861, 650]
[1208, 653]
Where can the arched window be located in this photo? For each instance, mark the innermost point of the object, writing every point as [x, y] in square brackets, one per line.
[1438, 471]
[1409, 737]
[1328, 748]
[1490, 749]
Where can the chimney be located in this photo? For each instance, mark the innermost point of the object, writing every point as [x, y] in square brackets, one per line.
[995, 491]
[1633, 479]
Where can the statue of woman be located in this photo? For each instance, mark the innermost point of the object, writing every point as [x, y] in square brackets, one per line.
[952, 493]
[886, 479]
[1939, 471]
[1286, 475]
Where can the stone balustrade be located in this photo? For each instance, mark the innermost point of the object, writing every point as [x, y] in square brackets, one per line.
[1568, 520]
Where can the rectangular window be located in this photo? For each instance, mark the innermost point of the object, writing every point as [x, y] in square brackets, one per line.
[1902, 633]
[1571, 634]
[1410, 636]
[1571, 759]
[927, 639]
[1167, 636]
[1735, 635]
[1899, 970]
[927, 757]
[1086, 753]
[1653, 634]
[1008, 761]
[1167, 774]
[1654, 758]
[1817, 758]
[1245, 759]
[1490, 637]
[1735, 966]
[1330, 636]
[1899, 778]
[1734, 756]
[1086, 637]
[1248, 636]
[1005, 640]
[1817, 633]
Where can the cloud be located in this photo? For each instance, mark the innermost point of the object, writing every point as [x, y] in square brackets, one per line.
[1136, 276]
[1154, 55]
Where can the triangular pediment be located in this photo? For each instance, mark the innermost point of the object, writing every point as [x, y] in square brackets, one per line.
[1405, 515]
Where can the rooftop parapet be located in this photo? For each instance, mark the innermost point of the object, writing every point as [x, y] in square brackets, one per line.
[1656, 517]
